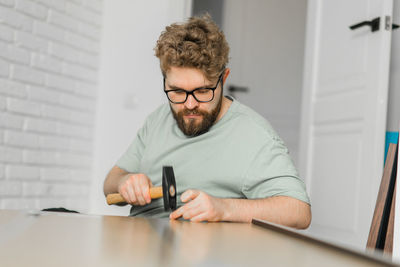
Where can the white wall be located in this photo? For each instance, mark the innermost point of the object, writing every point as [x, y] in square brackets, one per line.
[130, 81]
[48, 85]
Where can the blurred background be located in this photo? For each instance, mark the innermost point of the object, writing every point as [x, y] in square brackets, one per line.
[78, 78]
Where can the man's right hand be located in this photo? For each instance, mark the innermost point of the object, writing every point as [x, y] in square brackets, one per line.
[135, 188]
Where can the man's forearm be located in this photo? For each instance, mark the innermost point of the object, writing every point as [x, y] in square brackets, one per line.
[112, 180]
[281, 210]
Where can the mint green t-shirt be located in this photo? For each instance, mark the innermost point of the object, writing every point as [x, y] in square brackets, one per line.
[241, 156]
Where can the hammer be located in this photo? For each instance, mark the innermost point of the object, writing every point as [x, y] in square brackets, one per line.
[167, 191]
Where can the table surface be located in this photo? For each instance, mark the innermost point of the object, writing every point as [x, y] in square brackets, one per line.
[62, 239]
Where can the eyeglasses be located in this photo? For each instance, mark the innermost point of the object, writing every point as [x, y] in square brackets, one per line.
[203, 94]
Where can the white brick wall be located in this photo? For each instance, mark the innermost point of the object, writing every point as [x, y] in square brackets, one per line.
[49, 54]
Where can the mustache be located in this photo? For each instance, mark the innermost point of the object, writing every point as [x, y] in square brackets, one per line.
[191, 112]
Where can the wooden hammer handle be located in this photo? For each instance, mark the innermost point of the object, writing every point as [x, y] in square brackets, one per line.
[155, 192]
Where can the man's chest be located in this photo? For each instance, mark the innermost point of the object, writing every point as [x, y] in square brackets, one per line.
[214, 165]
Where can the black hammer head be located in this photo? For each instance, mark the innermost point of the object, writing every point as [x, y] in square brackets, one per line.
[169, 188]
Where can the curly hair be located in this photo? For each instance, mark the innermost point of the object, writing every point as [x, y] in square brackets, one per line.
[197, 43]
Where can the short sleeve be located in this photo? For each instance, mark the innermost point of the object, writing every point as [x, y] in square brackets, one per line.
[130, 160]
[272, 173]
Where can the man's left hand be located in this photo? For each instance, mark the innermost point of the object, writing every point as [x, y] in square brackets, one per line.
[200, 207]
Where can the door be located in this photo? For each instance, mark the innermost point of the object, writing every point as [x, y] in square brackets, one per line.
[266, 39]
[344, 115]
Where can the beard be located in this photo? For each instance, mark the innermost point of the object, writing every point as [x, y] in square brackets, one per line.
[193, 128]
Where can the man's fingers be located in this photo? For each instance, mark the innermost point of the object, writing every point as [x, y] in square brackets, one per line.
[146, 194]
[187, 211]
[190, 209]
[135, 189]
[189, 195]
[190, 213]
[126, 190]
[176, 214]
[131, 194]
[199, 217]
[145, 190]
[138, 192]
[125, 195]
[202, 207]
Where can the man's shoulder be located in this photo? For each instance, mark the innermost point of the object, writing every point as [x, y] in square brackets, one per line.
[160, 113]
[157, 118]
[161, 110]
[248, 117]
[254, 126]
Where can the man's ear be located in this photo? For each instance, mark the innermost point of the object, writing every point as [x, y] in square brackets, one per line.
[226, 74]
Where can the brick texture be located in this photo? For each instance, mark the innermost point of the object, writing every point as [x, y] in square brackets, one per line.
[49, 59]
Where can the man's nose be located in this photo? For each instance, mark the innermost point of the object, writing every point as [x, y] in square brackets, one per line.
[191, 102]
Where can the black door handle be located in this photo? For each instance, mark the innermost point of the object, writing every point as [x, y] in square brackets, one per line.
[234, 88]
[374, 24]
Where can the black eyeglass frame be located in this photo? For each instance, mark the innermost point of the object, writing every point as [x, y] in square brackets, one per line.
[192, 92]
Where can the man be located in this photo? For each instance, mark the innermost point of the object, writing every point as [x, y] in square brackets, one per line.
[229, 163]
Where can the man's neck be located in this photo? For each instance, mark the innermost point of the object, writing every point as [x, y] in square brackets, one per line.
[226, 103]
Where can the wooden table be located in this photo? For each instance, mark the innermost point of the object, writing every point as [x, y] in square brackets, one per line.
[61, 239]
